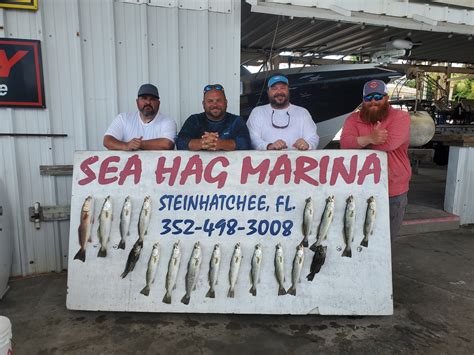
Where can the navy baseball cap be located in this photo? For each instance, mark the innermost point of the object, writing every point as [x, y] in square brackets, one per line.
[148, 89]
[277, 79]
[375, 87]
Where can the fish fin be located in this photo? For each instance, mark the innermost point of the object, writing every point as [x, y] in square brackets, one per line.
[352, 214]
[253, 291]
[106, 214]
[230, 294]
[121, 244]
[90, 239]
[167, 298]
[145, 291]
[305, 242]
[185, 299]
[174, 287]
[330, 214]
[81, 255]
[291, 291]
[313, 246]
[124, 274]
[217, 281]
[299, 279]
[194, 287]
[211, 293]
[128, 233]
[281, 291]
[365, 242]
[310, 276]
[347, 252]
[146, 232]
[102, 253]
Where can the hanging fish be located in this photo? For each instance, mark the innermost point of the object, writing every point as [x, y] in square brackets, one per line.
[144, 218]
[234, 269]
[326, 220]
[151, 269]
[85, 225]
[319, 258]
[214, 264]
[125, 218]
[105, 225]
[349, 225]
[132, 258]
[255, 269]
[173, 268]
[296, 271]
[280, 269]
[369, 221]
[307, 220]
[194, 265]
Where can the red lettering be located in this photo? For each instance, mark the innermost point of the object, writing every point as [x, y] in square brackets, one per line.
[371, 166]
[132, 167]
[90, 175]
[193, 167]
[219, 178]
[339, 169]
[323, 169]
[302, 166]
[161, 170]
[106, 169]
[248, 169]
[282, 167]
[7, 64]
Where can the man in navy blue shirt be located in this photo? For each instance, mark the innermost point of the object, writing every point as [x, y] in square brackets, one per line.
[215, 128]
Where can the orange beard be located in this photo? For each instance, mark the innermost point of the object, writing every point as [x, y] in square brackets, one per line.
[373, 116]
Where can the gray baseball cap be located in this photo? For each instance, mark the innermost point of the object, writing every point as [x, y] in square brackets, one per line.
[148, 89]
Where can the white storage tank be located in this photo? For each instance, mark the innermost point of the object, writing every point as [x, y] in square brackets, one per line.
[6, 241]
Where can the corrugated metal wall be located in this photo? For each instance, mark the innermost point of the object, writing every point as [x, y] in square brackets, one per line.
[95, 56]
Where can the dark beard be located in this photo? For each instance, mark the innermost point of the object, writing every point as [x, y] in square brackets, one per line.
[277, 105]
[373, 117]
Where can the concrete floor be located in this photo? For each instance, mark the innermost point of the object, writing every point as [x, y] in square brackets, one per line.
[433, 297]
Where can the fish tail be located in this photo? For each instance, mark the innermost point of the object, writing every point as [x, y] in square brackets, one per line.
[185, 299]
[230, 294]
[81, 255]
[145, 291]
[102, 252]
[121, 244]
[305, 242]
[365, 242]
[167, 298]
[310, 276]
[347, 252]
[124, 274]
[291, 291]
[90, 239]
[314, 246]
[253, 290]
[211, 293]
[281, 291]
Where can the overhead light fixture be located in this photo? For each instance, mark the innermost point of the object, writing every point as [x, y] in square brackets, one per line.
[363, 26]
[469, 38]
[313, 21]
[450, 35]
[385, 29]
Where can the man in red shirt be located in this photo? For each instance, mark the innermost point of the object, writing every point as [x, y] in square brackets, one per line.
[378, 126]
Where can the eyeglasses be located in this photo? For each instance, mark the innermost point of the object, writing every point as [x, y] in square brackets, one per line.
[277, 126]
[376, 97]
[213, 87]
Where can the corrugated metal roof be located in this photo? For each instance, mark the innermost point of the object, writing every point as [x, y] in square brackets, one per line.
[307, 35]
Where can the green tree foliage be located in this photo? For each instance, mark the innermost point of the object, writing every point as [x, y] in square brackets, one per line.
[464, 89]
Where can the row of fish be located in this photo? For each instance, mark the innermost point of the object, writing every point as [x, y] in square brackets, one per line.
[105, 224]
[349, 223]
[195, 261]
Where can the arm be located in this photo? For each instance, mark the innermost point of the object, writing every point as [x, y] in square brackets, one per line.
[112, 143]
[398, 133]
[189, 135]
[157, 144]
[350, 134]
[255, 131]
[310, 131]
[113, 138]
[241, 135]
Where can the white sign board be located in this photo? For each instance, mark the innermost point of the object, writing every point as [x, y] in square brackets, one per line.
[246, 197]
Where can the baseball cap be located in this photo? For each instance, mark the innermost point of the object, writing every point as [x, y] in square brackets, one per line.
[374, 87]
[277, 79]
[148, 89]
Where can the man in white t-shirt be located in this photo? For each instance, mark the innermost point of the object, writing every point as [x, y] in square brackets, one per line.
[279, 124]
[145, 129]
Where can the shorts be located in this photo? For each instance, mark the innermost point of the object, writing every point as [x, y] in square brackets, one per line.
[397, 206]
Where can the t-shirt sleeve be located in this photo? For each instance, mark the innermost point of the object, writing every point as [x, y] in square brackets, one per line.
[349, 134]
[169, 129]
[310, 131]
[186, 133]
[255, 130]
[242, 137]
[116, 128]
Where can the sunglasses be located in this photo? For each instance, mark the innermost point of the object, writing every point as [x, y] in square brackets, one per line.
[213, 87]
[284, 126]
[376, 97]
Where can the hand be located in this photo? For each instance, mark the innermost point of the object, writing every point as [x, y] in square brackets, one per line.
[134, 144]
[277, 145]
[378, 135]
[301, 144]
[209, 140]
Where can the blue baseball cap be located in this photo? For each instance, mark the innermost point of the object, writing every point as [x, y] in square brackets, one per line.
[277, 79]
[374, 87]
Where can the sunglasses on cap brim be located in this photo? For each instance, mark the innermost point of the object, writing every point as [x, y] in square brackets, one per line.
[218, 87]
[376, 97]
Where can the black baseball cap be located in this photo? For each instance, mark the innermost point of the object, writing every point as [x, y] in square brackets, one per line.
[148, 89]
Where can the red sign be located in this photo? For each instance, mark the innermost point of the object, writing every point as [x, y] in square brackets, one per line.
[21, 73]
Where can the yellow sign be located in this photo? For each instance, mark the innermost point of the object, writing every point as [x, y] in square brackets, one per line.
[20, 4]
